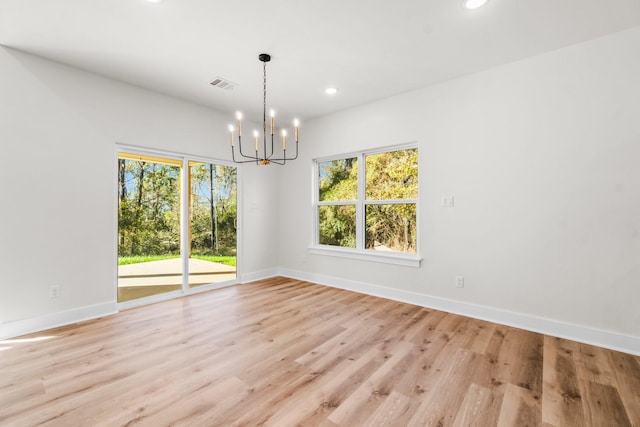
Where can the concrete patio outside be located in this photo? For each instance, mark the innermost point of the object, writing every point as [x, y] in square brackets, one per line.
[150, 278]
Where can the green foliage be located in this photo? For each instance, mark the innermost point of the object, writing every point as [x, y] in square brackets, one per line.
[391, 227]
[126, 260]
[226, 260]
[149, 214]
[149, 209]
[339, 180]
[392, 175]
[338, 225]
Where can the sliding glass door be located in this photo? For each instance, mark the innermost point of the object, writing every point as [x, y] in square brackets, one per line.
[213, 223]
[159, 251]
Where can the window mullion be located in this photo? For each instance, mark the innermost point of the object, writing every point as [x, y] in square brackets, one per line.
[185, 219]
[360, 218]
[392, 202]
[337, 203]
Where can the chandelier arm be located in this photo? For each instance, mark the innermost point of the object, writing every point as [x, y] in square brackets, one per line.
[244, 161]
[233, 156]
[251, 159]
[285, 158]
[240, 149]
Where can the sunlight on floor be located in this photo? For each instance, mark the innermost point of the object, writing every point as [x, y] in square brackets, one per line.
[26, 340]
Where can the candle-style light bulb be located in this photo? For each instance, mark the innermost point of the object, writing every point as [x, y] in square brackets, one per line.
[284, 139]
[296, 123]
[255, 135]
[239, 117]
[231, 133]
[273, 120]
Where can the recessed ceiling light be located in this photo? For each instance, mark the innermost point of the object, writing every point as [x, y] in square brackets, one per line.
[474, 4]
[154, 1]
[331, 91]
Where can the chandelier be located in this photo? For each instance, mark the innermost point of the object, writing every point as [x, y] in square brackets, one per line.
[261, 155]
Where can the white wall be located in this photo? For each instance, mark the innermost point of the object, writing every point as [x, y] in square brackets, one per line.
[58, 128]
[543, 158]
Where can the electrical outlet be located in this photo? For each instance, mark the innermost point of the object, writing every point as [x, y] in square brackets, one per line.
[54, 291]
[447, 201]
[459, 281]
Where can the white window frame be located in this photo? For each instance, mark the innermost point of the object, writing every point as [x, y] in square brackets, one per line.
[359, 252]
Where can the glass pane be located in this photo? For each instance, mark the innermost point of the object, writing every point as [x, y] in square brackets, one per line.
[212, 211]
[392, 175]
[391, 227]
[148, 227]
[337, 225]
[338, 180]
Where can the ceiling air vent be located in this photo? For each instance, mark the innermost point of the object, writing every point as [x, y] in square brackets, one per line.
[222, 83]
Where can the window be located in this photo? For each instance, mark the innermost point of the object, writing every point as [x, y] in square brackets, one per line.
[366, 205]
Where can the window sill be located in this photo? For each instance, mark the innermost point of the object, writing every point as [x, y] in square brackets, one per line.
[407, 260]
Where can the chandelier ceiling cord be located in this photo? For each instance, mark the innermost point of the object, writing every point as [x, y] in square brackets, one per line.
[264, 157]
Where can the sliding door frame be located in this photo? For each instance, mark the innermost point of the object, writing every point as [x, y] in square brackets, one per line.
[185, 243]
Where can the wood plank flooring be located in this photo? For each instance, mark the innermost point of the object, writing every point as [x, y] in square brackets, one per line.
[282, 352]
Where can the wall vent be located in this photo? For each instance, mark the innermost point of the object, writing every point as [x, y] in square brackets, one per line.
[223, 83]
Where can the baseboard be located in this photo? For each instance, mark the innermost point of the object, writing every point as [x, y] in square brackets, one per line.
[258, 275]
[54, 320]
[607, 339]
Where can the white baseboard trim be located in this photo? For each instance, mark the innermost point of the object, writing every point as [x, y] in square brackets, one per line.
[259, 275]
[54, 320]
[607, 339]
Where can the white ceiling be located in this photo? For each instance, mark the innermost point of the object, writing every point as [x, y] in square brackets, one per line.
[369, 49]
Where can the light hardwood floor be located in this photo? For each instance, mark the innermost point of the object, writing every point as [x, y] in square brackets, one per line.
[282, 352]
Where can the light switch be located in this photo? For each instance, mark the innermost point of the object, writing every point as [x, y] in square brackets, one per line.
[447, 201]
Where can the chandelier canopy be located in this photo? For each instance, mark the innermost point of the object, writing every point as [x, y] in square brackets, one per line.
[262, 156]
